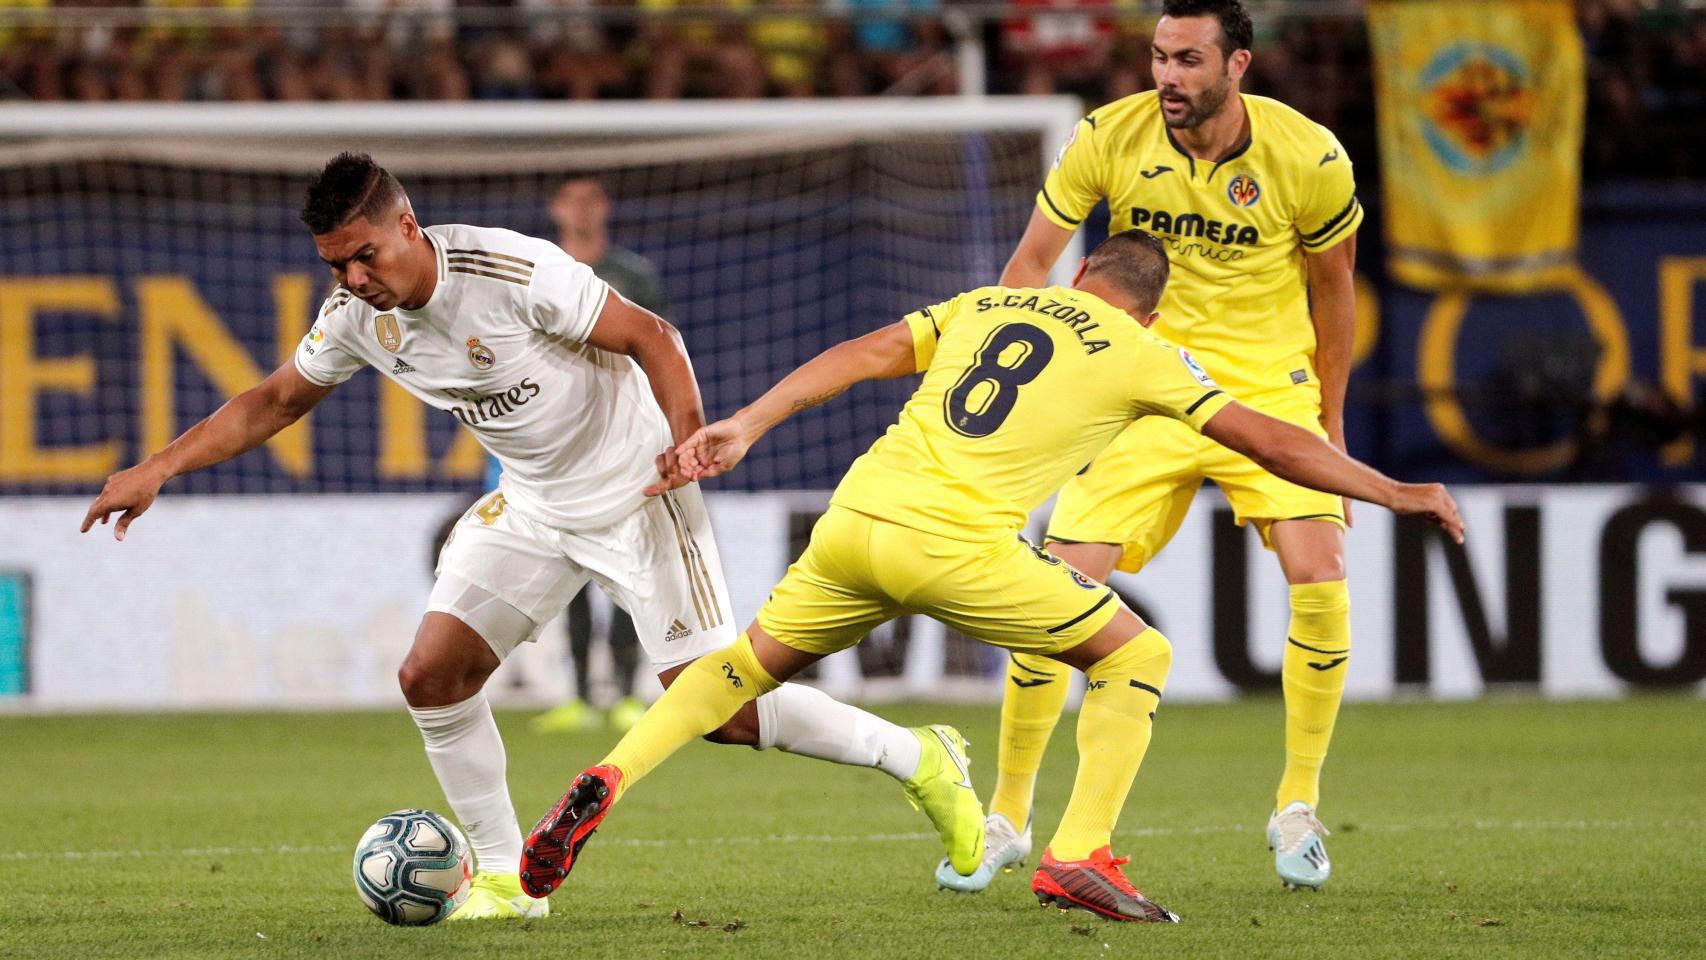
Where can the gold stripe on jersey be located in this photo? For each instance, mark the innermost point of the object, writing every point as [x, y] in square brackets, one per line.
[496, 256]
[1236, 230]
[336, 300]
[473, 261]
[487, 273]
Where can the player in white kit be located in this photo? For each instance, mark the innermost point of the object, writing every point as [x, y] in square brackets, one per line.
[581, 396]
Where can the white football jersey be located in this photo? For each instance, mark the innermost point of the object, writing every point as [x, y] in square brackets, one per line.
[501, 346]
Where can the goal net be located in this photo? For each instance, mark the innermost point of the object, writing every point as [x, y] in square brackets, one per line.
[151, 266]
[164, 246]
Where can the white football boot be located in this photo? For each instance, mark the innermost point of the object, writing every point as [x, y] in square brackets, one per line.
[1294, 835]
[1004, 850]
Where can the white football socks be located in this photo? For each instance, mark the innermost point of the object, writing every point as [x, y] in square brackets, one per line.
[467, 753]
[799, 719]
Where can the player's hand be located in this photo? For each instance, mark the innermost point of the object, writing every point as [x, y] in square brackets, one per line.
[1431, 502]
[128, 493]
[670, 474]
[714, 449]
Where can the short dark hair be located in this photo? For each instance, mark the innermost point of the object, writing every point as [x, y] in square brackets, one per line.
[350, 184]
[1236, 33]
[1136, 260]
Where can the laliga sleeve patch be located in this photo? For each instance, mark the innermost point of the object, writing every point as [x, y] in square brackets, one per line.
[1196, 369]
[1065, 146]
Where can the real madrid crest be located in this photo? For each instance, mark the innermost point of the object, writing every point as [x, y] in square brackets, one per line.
[386, 331]
[480, 355]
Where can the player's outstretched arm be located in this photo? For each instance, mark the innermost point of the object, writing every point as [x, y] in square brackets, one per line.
[656, 345]
[880, 355]
[1295, 454]
[1036, 253]
[1333, 311]
[242, 424]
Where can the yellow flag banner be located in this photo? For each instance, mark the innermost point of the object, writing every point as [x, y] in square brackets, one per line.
[1481, 114]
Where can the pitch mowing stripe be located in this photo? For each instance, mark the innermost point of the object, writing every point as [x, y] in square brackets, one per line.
[1513, 826]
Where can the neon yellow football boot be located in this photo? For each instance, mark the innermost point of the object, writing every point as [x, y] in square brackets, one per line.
[626, 713]
[571, 716]
[942, 789]
[498, 896]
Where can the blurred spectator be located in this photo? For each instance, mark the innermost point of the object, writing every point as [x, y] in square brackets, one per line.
[23, 51]
[503, 68]
[1068, 49]
[104, 66]
[711, 57]
[196, 61]
[1675, 96]
[1615, 70]
[908, 55]
[1646, 61]
[578, 57]
[792, 49]
[401, 47]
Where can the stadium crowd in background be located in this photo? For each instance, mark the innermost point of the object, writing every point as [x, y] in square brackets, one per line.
[1647, 72]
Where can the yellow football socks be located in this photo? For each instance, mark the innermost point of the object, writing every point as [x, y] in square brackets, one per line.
[702, 698]
[1113, 734]
[1313, 674]
[1030, 707]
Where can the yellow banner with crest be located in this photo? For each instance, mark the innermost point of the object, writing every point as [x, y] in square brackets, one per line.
[1481, 120]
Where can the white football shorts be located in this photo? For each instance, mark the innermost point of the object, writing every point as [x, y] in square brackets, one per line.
[659, 563]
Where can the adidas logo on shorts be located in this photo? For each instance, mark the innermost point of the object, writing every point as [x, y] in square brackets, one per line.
[402, 367]
[676, 631]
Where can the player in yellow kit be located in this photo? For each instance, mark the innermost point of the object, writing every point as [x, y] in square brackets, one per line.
[1021, 387]
[1258, 208]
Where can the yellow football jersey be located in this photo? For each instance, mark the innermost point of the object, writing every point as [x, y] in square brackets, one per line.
[1236, 231]
[1022, 388]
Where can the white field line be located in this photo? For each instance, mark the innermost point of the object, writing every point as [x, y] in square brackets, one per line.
[780, 839]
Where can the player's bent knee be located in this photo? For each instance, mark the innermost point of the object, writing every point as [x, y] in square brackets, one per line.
[1149, 647]
[426, 683]
[420, 685]
[1152, 646]
[1320, 570]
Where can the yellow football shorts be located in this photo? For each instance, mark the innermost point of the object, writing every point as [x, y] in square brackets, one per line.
[859, 572]
[1137, 492]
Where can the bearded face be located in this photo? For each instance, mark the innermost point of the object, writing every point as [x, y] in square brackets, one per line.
[1193, 74]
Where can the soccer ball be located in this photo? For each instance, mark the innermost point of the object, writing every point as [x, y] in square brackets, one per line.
[413, 868]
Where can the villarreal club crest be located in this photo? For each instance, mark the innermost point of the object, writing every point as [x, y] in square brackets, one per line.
[1243, 191]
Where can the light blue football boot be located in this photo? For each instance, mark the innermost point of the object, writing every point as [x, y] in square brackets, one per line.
[1004, 849]
[1294, 835]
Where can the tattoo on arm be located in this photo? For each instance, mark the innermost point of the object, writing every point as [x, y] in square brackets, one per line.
[806, 403]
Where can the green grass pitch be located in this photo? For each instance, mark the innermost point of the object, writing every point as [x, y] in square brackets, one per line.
[1503, 828]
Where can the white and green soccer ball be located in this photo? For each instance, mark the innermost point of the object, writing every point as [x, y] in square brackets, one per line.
[413, 868]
